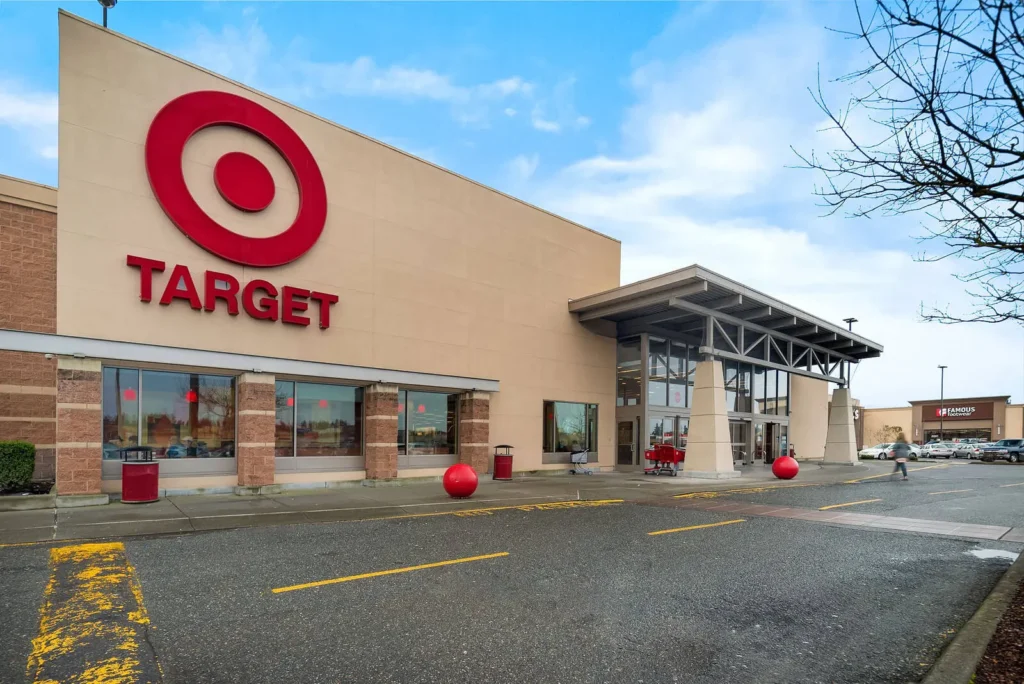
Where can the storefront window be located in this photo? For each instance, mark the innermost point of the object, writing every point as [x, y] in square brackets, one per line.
[739, 434]
[328, 420]
[730, 369]
[743, 388]
[770, 397]
[677, 376]
[783, 393]
[569, 427]
[657, 385]
[120, 410]
[758, 399]
[187, 415]
[427, 422]
[284, 422]
[628, 373]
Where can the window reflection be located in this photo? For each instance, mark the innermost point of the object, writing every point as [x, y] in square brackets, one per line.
[677, 376]
[187, 415]
[569, 427]
[284, 421]
[628, 373]
[428, 420]
[743, 388]
[657, 385]
[328, 420]
[730, 370]
[120, 410]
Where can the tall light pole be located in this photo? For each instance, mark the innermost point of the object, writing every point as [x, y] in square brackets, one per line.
[942, 398]
[849, 326]
[107, 4]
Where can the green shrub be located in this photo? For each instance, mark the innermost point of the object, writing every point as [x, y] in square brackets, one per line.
[17, 461]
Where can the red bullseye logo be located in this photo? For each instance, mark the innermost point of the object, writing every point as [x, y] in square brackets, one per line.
[241, 179]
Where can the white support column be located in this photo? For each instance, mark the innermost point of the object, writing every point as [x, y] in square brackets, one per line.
[708, 446]
[808, 417]
[841, 443]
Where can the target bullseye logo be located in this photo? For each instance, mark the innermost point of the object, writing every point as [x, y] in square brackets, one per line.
[246, 184]
[242, 180]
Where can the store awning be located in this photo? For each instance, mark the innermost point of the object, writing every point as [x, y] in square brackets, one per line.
[726, 318]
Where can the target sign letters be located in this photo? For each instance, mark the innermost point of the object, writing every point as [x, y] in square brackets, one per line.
[246, 184]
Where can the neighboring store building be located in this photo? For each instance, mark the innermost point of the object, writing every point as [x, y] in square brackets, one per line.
[987, 418]
[405, 320]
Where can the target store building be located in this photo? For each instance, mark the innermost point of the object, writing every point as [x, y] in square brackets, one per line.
[267, 299]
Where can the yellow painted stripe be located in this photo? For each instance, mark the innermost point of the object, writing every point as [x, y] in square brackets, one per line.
[745, 490]
[382, 573]
[92, 622]
[1015, 484]
[544, 506]
[843, 505]
[893, 472]
[951, 491]
[695, 527]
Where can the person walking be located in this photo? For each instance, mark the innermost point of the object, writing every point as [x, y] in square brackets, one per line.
[901, 454]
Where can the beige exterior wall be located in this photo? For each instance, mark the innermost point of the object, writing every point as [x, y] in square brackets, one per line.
[808, 417]
[876, 420]
[1014, 422]
[435, 273]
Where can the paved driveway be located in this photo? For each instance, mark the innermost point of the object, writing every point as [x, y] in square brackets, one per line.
[549, 593]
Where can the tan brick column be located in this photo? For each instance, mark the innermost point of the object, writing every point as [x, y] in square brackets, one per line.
[380, 431]
[254, 451]
[474, 430]
[79, 426]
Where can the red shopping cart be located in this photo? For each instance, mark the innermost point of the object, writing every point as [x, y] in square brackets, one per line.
[664, 460]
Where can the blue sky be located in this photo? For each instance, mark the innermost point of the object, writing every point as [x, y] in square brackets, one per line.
[668, 126]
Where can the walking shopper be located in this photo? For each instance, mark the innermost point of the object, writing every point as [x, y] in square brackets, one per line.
[901, 453]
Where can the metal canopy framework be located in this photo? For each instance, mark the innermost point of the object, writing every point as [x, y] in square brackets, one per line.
[727, 320]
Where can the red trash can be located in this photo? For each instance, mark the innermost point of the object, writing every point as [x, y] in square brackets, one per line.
[503, 462]
[140, 476]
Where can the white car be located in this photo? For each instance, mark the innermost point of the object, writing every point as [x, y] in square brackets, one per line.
[967, 450]
[884, 451]
[938, 450]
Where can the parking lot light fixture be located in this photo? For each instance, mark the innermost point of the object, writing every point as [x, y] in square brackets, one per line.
[942, 397]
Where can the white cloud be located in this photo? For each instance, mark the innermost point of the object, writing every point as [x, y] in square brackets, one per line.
[556, 113]
[509, 111]
[521, 168]
[542, 124]
[31, 114]
[701, 175]
[246, 54]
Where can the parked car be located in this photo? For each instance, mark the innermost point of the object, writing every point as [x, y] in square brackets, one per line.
[967, 450]
[884, 451]
[1010, 449]
[873, 452]
[938, 450]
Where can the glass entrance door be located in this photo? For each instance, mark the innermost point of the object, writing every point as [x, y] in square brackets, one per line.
[627, 444]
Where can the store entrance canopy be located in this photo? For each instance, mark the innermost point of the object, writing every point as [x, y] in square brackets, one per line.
[725, 319]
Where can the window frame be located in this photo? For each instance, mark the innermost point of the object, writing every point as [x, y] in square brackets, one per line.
[296, 463]
[548, 433]
[407, 460]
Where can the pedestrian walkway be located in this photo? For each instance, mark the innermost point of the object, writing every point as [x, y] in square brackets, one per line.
[180, 514]
[882, 522]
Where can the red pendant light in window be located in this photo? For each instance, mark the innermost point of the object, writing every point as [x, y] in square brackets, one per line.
[323, 403]
[421, 409]
[291, 401]
[129, 394]
[191, 396]
[401, 408]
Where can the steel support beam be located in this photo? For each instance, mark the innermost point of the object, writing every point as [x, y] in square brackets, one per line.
[724, 302]
[769, 364]
[657, 298]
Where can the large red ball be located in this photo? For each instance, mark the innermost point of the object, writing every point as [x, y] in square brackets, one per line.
[785, 468]
[460, 481]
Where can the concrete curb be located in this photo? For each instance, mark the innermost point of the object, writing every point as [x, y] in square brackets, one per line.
[30, 502]
[959, 660]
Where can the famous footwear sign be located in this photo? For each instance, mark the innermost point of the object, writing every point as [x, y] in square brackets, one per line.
[937, 412]
[246, 184]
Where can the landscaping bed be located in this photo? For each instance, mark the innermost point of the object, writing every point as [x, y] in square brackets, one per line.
[1003, 662]
[35, 487]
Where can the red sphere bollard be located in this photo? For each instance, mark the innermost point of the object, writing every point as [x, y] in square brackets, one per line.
[785, 468]
[460, 481]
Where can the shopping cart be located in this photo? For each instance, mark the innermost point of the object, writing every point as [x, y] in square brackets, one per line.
[579, 463]
[665, 460]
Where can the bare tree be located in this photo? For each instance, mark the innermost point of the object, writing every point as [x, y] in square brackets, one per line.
[937, 128]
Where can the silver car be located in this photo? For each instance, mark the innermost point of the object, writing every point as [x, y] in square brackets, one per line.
[938, 450]
[967, 450]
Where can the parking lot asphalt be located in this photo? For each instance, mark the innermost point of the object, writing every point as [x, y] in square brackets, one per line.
[584, 594]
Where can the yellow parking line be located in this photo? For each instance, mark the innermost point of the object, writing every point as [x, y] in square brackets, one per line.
[382, 573]
[745, 490]
[92, 621]
[543, 506]
[951, 491]
[1015, 484]
[852, 503]
[889, 474]
[695, 527]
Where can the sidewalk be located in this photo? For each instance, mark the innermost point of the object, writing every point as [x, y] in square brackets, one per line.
[181, 514]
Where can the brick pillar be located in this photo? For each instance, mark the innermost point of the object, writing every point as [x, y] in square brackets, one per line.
[255, 448]
[474, 430]
[79, 426]
[380, 431]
